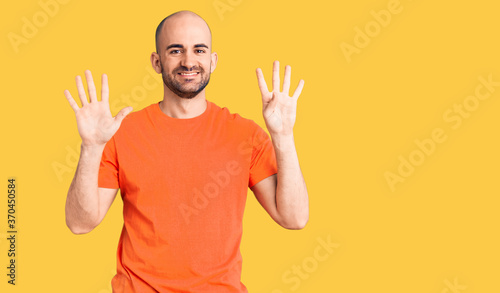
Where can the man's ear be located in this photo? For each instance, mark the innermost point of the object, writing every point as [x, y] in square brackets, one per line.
[213, 62]
[155, 62]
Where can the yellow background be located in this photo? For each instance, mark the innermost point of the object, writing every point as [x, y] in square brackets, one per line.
[439, 228]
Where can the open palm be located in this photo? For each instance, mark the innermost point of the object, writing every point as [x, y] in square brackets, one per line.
[95, 123]
[278, 108]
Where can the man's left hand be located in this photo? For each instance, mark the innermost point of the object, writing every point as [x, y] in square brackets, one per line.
[278, 108]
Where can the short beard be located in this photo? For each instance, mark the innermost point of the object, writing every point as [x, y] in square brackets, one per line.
[176, 87]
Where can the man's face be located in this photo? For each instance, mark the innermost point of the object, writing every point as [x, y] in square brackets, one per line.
[185, 58]
[185, 82]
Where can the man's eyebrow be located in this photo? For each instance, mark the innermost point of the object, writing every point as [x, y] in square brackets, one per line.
[174, 46]
[181, 46]
[200, 45]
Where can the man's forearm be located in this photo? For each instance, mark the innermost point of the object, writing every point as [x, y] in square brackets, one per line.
[82, 202]
[292, 201]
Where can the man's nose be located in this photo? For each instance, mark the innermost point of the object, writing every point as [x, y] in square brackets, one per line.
[188, 60]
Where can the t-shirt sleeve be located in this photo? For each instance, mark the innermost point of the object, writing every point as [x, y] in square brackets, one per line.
[263, 163]
[108, 169]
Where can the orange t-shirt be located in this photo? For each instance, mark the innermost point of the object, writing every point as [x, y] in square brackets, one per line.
[184, 184]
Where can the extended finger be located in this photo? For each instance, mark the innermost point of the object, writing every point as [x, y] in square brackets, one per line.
[81, 90]
[286, 79]
[276, 76]
[90, 86]
[71, 101]
[262, 82]
[298, 90]
[104, 88]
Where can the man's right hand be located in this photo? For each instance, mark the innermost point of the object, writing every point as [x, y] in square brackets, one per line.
[95, 123]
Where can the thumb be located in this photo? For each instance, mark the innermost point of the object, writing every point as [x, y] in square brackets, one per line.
[274, 101]
[271, 105]
[123, 112]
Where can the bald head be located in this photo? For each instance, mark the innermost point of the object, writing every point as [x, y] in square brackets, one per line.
[178, 21]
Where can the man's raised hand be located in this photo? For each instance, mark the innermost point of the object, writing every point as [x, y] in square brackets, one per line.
[278, 108]
[95, 123]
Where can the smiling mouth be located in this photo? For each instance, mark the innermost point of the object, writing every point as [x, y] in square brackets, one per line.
[188, 74]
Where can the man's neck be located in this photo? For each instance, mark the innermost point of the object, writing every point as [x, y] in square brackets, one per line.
[181, 108]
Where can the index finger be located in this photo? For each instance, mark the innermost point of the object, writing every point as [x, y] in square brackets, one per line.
[262, 82]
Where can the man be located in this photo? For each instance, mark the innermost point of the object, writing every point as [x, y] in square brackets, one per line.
[183, 167]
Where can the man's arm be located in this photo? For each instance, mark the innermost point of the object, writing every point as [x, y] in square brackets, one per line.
[283, 195]
[86, 203]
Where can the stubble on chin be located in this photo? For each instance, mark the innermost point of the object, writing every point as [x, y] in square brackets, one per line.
[176, 87]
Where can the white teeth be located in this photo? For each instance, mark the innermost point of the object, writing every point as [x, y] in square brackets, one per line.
[189, 73]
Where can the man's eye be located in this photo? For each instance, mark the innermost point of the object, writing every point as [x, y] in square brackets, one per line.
[175, 51]
[200, 51]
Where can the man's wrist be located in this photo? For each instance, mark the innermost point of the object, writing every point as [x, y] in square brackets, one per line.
[92, 148]
[283, 142]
